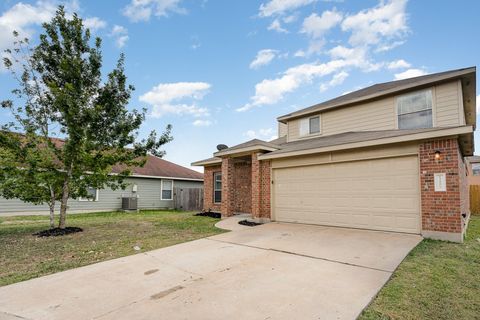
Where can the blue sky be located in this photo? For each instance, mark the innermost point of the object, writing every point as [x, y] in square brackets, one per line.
[221, 71]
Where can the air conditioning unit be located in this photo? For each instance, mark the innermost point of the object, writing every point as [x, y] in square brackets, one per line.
[129, 203]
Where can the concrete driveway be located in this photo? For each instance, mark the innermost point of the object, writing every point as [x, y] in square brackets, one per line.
[273, 271]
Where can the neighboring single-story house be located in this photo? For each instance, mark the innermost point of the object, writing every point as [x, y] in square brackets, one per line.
[153, 186]
[388, 157]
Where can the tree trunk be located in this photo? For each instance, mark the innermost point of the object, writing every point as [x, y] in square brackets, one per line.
[63, 203]
[52, 208]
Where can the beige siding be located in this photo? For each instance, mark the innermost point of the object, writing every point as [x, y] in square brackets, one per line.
[381, 114]
[448, 105]
[282, 129]
[410, 148]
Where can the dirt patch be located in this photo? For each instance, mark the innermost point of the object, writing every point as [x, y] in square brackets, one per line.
[249, 223]
[210, 214]
[55, 232]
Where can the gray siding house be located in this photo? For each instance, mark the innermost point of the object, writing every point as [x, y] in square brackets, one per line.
[152, 184]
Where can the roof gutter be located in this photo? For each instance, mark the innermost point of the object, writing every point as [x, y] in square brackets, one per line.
[404, 138]
[206, 162]
[244, 150]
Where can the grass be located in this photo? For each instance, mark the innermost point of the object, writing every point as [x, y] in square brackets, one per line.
[437, 280]
[106, 236]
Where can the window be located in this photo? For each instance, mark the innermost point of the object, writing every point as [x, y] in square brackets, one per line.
[476, 169]
[167, 190]
[414, 110]
[217, 187]
[92, 195]
[310, 126]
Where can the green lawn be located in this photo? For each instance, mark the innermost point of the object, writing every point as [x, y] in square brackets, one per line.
[106, 236]
[437, 280]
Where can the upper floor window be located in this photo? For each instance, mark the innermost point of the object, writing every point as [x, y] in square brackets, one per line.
[476, 169]
[414, 110]
[310, 126]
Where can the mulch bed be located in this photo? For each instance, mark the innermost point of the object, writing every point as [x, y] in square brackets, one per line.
[55, 232]
[209, 214]
[249, 223]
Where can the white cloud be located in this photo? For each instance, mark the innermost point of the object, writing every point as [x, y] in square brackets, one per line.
[316, 26]
[299, 54]
[398, 64]
[263, 134]
[142, 10]
[410, 73]
[379, 25]
[263, 58]
[336, 80]
[202, 123]
[276, 7]
[277, 26]
[23, 18]
[290, 18]
[270, 91]
[94, 23]
[120, 34]
[168, 98]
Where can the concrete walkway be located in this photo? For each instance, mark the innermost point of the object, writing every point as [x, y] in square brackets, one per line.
[273, 271]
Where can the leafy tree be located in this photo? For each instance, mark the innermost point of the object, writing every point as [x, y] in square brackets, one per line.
[61, 89]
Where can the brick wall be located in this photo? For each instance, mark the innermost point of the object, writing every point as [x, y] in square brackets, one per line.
[208, 188]
[265, 185]
[261, 183]
[243, 186]
[228, 190]
[441, 211]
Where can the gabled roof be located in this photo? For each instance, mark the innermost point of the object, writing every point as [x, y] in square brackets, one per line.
[251, 145]
[357, 139]
[383, 89]
[159, 168]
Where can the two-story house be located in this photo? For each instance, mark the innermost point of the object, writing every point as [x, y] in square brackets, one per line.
[388, 157]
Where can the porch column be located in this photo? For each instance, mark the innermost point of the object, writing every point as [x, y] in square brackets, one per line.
[256, 190]
[228, 198]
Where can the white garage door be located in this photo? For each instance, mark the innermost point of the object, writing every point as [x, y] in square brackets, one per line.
[380, 194]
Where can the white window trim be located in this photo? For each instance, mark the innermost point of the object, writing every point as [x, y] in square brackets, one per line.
[161, 189]
[434, 106]
[81, 199]
[214, 189]
[308, 135]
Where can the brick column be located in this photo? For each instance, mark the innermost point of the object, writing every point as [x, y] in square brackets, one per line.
[228, 197]
[442, 210]
[255, 186]
[261, 183]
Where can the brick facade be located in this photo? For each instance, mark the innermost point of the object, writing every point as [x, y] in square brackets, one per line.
[228, 190]
[208, 203]
[242, 183]
[261, 183]
[442, 211]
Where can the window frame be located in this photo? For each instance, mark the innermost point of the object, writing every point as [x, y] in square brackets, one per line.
[215, 174]
[475, 164]
[433, 109]
[162, 189]
[82, 199]
[309, 129]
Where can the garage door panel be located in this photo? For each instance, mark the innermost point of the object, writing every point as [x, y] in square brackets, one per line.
[380, 194]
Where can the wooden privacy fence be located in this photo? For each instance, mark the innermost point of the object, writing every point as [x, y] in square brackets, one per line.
[475, 199]
[188, 199]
